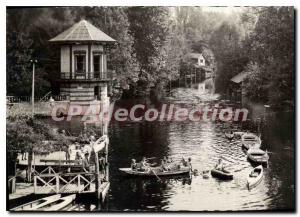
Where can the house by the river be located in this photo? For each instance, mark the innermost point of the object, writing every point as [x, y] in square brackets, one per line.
[236, 89]
[200, 73]
[84, 75]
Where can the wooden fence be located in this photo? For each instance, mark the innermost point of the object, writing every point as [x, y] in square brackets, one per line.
[18, 99]
[64, 183]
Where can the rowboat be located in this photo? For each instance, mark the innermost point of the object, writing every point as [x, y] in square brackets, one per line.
[80, 208]
[257, 156]
[58, 204]
[37, 203]
[221, 174]
[155, 171]
[229, 136]
[255, 177]
[250, 140]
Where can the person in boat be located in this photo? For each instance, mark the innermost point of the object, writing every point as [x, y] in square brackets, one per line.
[51, 101]
[144, 166]
[164, 166]
[168, 160]
[184, 162]
[189, 164]
[92, 139]
[133, 164]
[253, 174]
[219, 165]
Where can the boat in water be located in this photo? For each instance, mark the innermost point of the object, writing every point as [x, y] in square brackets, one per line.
[155, 171]
[250, 140]
[255, 177]
[59, 204]
[52, 203]
[37, 203]
[258, 156]
[221, 174]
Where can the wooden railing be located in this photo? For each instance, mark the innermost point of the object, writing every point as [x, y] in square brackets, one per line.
[108, 75]
[18, 99]
[64, 183]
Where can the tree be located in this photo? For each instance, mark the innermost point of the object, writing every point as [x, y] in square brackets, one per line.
[28, 32]
[149, 28]
[230, 58]
[272, 47]
[114, 22]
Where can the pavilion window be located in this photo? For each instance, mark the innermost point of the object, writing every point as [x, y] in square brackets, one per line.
[96, 62]
[80, 62]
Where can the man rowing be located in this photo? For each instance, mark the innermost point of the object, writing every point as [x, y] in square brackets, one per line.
[219, 166]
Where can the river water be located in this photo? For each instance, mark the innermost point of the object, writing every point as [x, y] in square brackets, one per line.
[205, 143]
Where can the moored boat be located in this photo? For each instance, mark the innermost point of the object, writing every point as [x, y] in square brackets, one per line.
[250, 140]
[37, 203]
[58, 204]
[221, 174]
[255, 177]
[258, 156]
[155, 171]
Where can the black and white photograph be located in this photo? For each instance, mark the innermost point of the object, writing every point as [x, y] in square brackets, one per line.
[150, 108]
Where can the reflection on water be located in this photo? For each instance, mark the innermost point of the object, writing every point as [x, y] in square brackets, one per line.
[204, 142]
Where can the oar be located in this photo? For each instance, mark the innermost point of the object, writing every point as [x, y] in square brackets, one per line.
[155, 174]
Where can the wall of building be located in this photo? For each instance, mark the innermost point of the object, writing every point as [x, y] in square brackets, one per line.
[81, 91]
[65, 60]
[84, 91]
[65, 56]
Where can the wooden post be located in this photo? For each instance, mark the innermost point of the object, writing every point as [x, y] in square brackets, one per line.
[13, 185]
[29, 166]
[32, 90]
[57, 183]
[97, 176]
[35, 184]
[71, 62]
[106, 163]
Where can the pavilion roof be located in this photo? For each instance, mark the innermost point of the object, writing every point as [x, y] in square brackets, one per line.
[83, 31]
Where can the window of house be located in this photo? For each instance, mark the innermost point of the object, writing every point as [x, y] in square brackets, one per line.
[96, 62]
[80, 62]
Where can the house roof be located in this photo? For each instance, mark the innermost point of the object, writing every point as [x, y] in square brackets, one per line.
[240, 77]
[83, 31]
[195, 55]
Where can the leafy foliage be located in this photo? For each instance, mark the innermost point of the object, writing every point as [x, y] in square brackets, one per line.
[272, 48]
[25, 134]
[154, 43]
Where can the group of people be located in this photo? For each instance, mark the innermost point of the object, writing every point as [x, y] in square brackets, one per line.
[166, 164]
[81, 150]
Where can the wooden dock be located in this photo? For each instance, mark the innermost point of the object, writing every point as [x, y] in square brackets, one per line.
[54, 180]
[22, 190]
